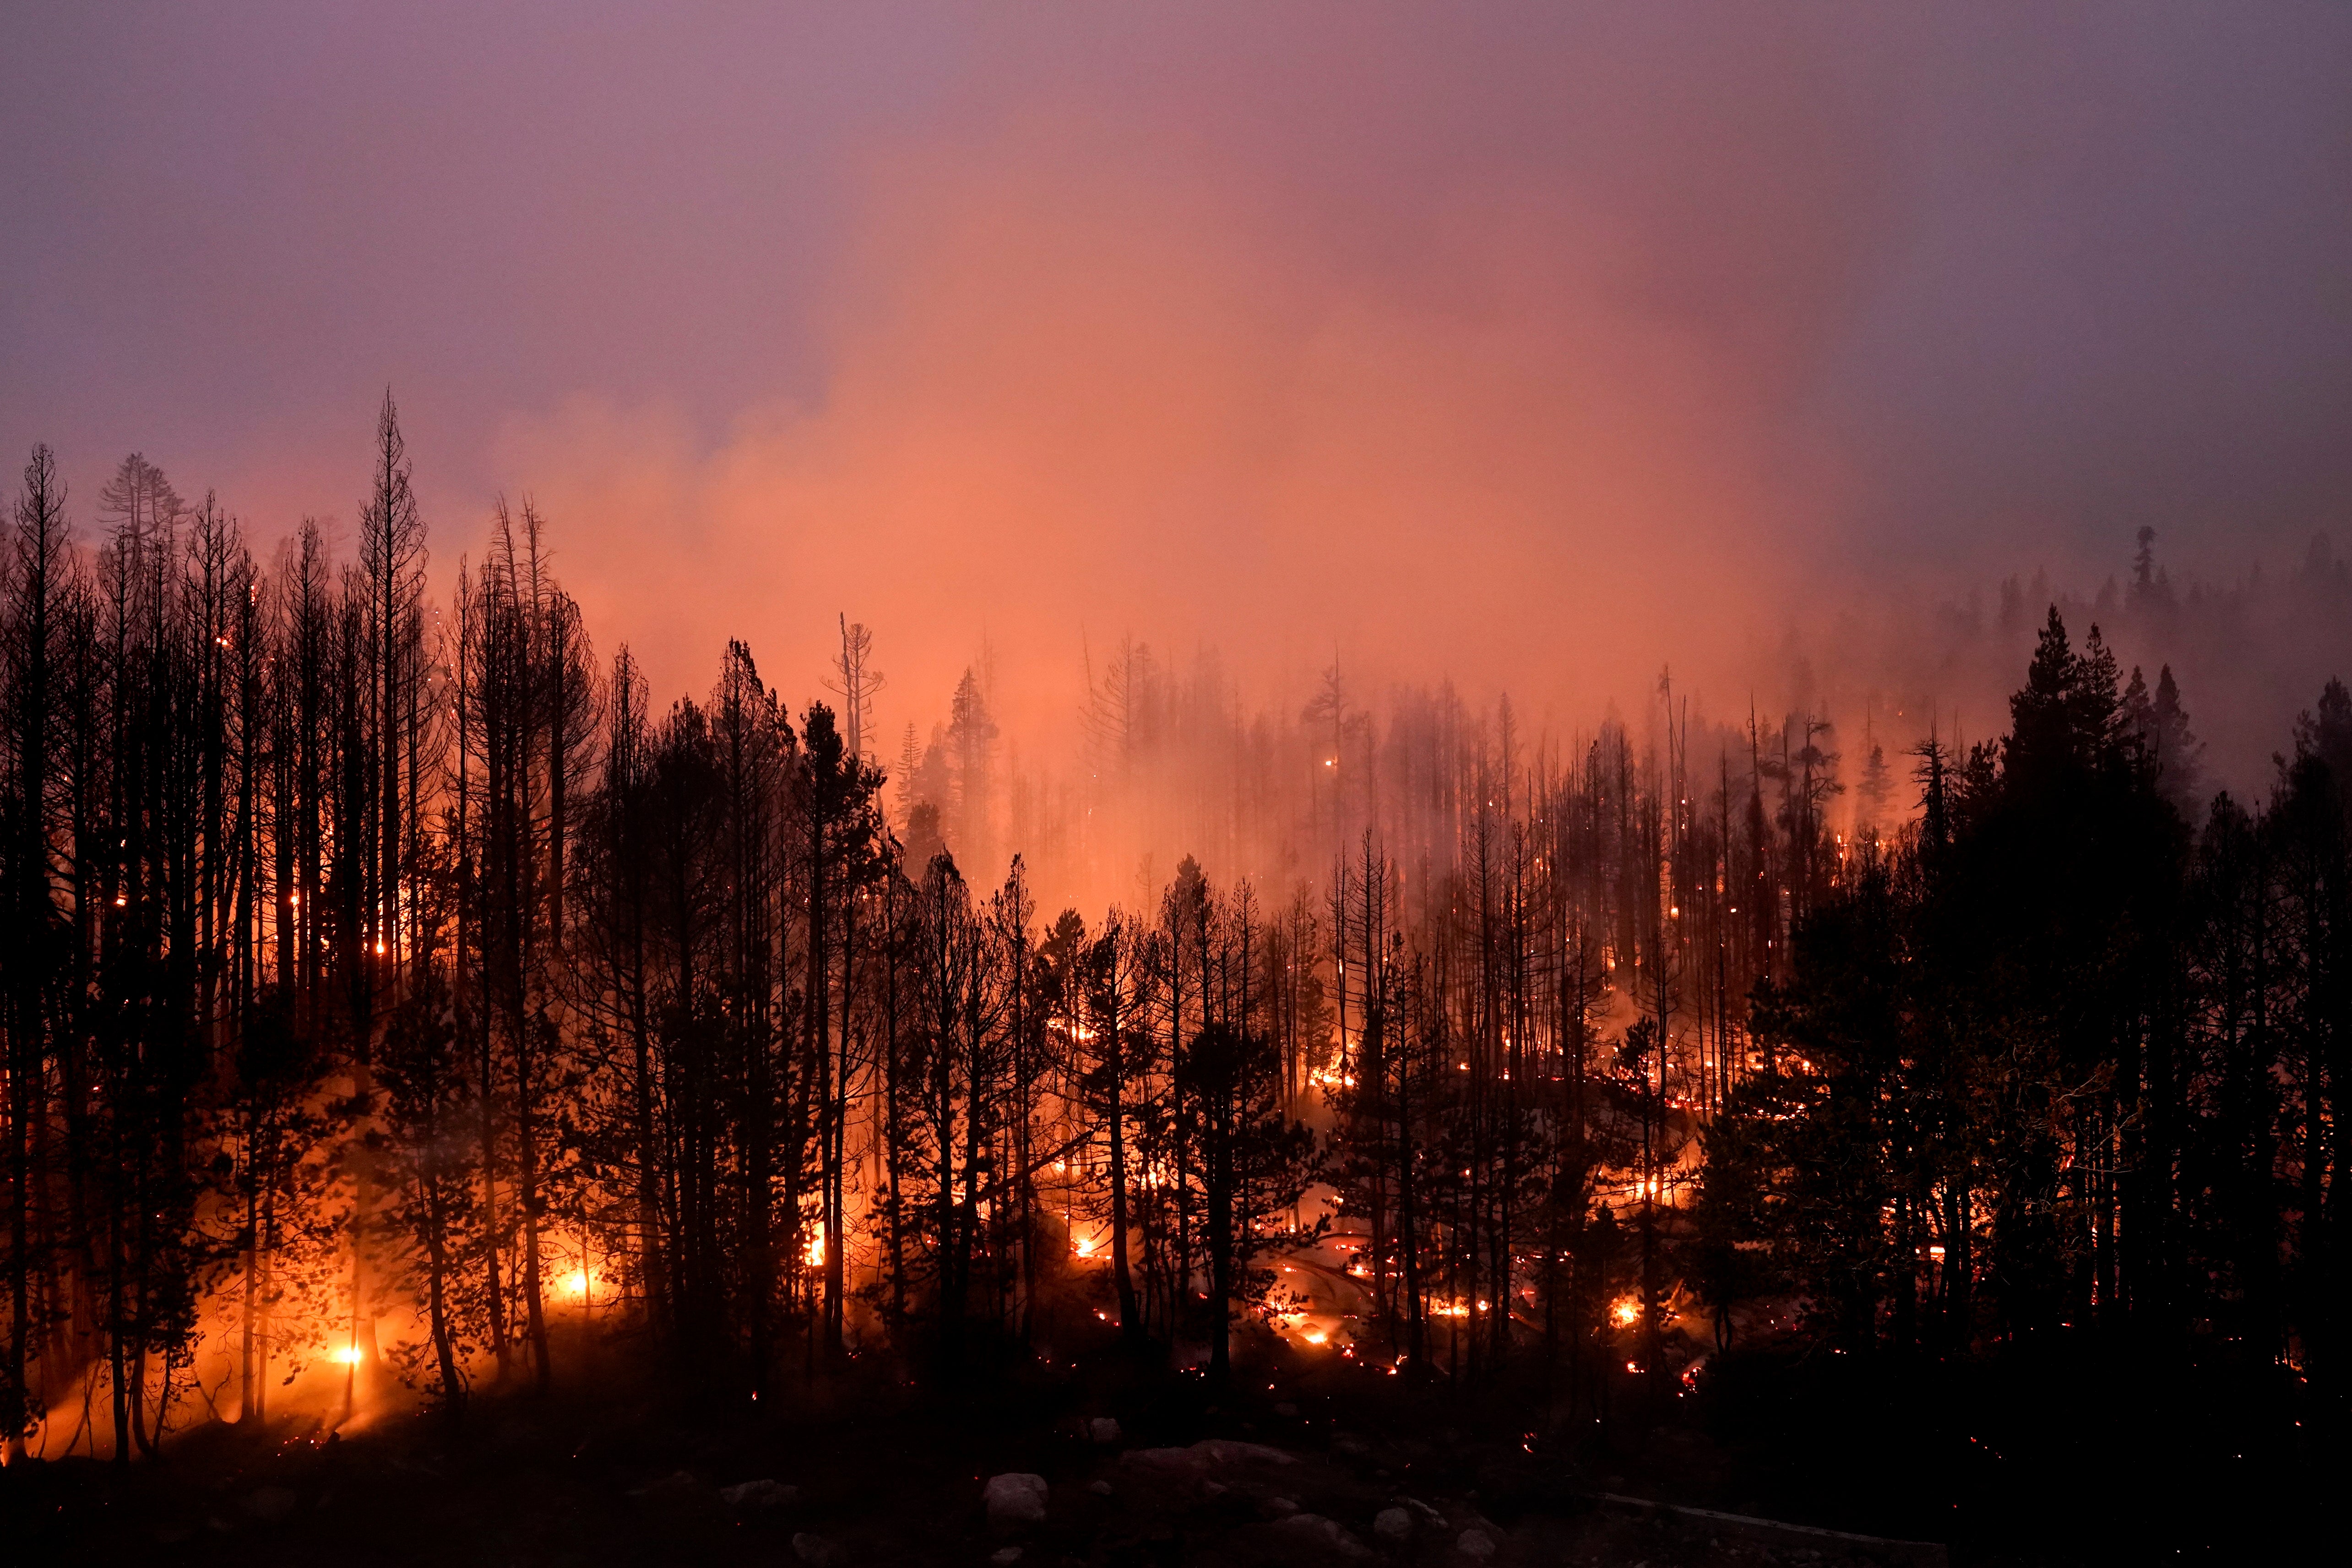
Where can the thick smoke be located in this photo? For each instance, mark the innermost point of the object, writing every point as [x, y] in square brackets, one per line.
[1541, 350]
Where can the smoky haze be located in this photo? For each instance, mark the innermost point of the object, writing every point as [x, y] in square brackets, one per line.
[1535, 348]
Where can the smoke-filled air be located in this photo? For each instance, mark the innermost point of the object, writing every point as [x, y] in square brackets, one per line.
[1174, 785]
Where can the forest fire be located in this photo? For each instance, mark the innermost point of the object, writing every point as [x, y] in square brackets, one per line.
[1136, 1121]
[1611, 820]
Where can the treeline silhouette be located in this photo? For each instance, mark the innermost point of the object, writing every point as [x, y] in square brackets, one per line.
[375, 969]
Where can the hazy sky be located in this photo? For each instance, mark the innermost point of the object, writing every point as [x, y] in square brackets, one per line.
[1520, 342]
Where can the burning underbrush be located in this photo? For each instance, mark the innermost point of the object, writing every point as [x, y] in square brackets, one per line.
[1311, 1453]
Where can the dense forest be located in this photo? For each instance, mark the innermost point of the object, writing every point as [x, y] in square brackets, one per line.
[398, 996]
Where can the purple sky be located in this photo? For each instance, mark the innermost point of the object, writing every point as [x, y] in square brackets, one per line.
[1482, 324]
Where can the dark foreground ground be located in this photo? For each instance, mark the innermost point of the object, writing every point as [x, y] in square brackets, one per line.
[1303, 1462]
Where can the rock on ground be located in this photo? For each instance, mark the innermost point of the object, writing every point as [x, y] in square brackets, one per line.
[1226, 1451]
[758, 1497]
[1392, 1524]
[1016, 1497]
[1328, 1534]
[1103, 1429]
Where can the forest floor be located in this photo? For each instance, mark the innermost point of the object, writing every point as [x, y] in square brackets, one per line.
[1302, 1460]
